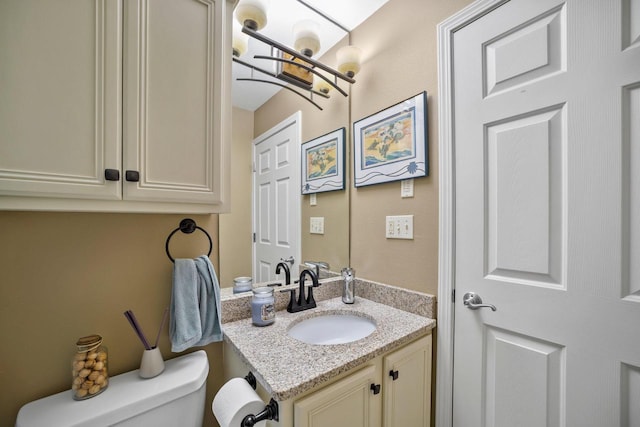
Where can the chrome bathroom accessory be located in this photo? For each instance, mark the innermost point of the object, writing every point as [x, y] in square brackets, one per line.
[349, 287]
[473, 301]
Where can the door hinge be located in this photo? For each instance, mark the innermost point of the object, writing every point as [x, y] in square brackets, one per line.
[453, 296]
[254, 237]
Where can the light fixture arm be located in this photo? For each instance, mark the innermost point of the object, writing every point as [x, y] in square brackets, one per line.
[304, 67]
[318, 12]
[282, 86]
[293, 53]
[270, 74]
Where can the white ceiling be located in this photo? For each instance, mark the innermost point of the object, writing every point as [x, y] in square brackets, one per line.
[281, 16]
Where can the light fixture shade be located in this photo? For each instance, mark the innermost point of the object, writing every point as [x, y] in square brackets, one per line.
[321, 85]
[348, 58]
[240, 41]
[252, 13]
[307, 40]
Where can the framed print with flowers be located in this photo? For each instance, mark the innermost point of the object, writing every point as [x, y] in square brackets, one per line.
[323, 163]
[391, 145]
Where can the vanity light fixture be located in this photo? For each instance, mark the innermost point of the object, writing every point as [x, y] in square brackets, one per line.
[295, 66]
[321, 86]
[349, 60]
[240, 41]
[252, 13]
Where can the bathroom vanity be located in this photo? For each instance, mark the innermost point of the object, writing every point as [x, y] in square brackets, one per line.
[383, 379]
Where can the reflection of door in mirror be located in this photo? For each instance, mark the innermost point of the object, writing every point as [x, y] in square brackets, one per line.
[276, 197]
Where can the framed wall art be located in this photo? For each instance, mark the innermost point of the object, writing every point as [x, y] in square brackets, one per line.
[391, 145]
[323, 163]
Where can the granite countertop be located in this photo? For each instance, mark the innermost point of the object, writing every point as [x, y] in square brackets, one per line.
[286, 367]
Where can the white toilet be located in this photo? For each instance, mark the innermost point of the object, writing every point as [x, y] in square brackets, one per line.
[174, 398]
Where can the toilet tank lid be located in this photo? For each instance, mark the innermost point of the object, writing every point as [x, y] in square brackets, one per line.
[126, 396]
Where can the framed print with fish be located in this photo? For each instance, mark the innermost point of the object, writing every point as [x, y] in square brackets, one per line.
[323, 163]
[391, 145]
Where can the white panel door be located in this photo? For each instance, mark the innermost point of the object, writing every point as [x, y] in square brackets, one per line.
[547, 207]
[276, 198]
[60, 119]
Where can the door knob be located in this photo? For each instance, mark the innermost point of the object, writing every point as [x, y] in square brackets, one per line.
[290, 260]
[474, 302]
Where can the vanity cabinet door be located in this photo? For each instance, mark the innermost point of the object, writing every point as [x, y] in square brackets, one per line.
[349, 402]
[60, 91]
[407, 385]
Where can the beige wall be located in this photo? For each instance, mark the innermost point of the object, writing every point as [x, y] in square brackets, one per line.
[235, 227]
[400, 60]
[67, 275]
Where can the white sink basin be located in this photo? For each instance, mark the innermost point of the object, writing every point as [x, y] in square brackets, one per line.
[332, 329]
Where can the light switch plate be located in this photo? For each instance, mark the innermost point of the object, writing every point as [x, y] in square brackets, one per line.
[316, 225]
[406, 188]
[313, 199]
[399, 227]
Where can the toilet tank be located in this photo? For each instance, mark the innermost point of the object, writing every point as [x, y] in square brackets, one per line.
[173, 398]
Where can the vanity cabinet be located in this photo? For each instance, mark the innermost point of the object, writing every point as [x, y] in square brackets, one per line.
[366, 396]
[347, 402]
[402, 388]
[407, 385]
[115, 105]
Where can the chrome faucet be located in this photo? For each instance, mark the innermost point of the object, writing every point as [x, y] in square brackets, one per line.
[349, 289]
[303, 302]
[317, 265]
[287, 272]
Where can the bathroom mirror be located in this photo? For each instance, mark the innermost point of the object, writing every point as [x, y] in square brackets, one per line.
[332, 246]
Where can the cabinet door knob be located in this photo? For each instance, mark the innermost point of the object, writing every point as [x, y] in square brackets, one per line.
[112, 174]
[375, 388]
[393, 374]
[132, 176]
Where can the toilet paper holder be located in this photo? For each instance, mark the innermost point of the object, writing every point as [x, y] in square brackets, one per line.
[270, 412]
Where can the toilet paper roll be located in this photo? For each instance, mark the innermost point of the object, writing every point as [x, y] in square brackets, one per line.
[235, 400]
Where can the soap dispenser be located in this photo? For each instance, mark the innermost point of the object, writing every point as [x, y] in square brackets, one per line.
[349, 289]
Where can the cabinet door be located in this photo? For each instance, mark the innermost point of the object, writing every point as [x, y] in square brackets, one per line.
[348, 402]
[175, 81]
[407, 398]
[60, 105]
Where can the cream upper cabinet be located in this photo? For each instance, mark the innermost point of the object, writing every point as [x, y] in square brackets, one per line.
[60, 85]
[113, 105]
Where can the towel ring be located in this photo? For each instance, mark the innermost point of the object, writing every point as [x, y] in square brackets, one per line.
[187, 226]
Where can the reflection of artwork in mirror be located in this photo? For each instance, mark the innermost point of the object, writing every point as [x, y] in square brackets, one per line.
[323, 163]
[392, 144]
